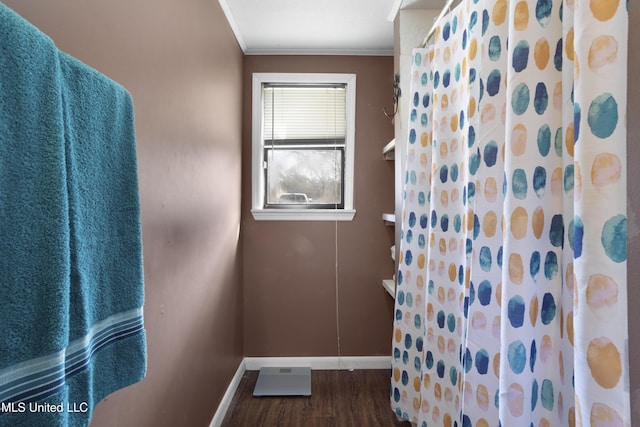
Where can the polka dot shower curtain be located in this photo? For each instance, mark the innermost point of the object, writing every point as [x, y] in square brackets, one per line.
[511, 305]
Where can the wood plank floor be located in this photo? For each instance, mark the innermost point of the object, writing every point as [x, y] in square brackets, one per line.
[338, 399]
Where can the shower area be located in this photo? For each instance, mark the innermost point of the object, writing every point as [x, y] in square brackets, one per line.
[511, 287]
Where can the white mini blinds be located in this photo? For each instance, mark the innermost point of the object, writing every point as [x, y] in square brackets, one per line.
[301, 112]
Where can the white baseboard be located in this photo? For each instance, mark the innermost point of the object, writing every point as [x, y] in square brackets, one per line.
[223, 407]
[316, 363]
[320, 363]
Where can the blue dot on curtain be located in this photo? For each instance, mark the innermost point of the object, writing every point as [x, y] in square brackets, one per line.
[472, 75]
[414, 116]
[568, 178]
[426, 100]
[467, 362]
[412, 219]
[412, 136]
[399, 314]
[419, 340]
[408, 257]
[417, 322]
[417, 58]
[405, 357]
[405, 378]
[444, 223]
[550, 265]
[464, 39]
[440, 368]
[577, 113]
[557, 144]
[400, 297]
[495, 48]
[471, 136]
[534, 394]
[543, 11]
[541, 99]
[614, 238]
[556, 232]
[424, 120]
[547, 395]
[520, 57]
[484, 292]
[544, 140]
[436, 79]
[466, 421]
[408, 341]
[441, 319]
[517, 355]
[493, 83]
[499, 257]
[539, 181]
[578, 235]
[532, 355]
[520, 99]
[428, 360]
[457, 223]
[603, 115]
[421, 241]
[485, 258]
[444, 173]
[472, 187]
[409, 236]
[548, 310]
[451, 322]
[434, 218]
[446, 78]
[485, 21]
[557, 57]
[416, 99]
[519, 184]
[417, 364]
[461, 119]
[453, 375]
[409, 298]
[482, 361]
[423, 221]
[534, 264]
[396, 394]
[454, 24]
[490, 153]
[515, 311]
[446, 31]
[473, 19]
[454, 172]
[424, 79]
[474, 164]
[421, 198]
[457, 71]
[396, 353]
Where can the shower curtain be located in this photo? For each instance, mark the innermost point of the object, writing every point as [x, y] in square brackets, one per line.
[511, 304]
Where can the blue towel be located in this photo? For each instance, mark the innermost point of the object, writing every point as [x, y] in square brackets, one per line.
[71, 283]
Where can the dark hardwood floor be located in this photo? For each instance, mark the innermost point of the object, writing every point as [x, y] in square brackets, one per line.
[338, 399]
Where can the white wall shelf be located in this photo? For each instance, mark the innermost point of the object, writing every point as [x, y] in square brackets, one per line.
[389, 150]
[390, 286]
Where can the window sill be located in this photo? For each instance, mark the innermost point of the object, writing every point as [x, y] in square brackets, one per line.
[303, 214]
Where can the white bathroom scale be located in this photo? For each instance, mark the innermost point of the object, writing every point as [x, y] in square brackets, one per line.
[274, 381]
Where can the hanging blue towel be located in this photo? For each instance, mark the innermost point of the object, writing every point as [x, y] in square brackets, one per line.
[71, 282]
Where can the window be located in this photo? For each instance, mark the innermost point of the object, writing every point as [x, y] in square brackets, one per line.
[303, 146]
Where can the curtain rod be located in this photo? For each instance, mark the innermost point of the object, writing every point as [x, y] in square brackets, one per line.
[446, 9]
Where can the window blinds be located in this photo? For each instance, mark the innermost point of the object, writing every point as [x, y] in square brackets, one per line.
[298, 112]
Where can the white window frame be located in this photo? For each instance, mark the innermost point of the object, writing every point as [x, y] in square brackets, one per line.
[258, 210]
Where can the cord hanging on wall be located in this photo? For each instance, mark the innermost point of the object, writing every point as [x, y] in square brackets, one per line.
[396, 95]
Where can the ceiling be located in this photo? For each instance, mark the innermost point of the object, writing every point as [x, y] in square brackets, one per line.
[339, 27]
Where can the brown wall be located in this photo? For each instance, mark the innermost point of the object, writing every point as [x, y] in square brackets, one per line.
[181, 63]
[633, 209]
[289, 267]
